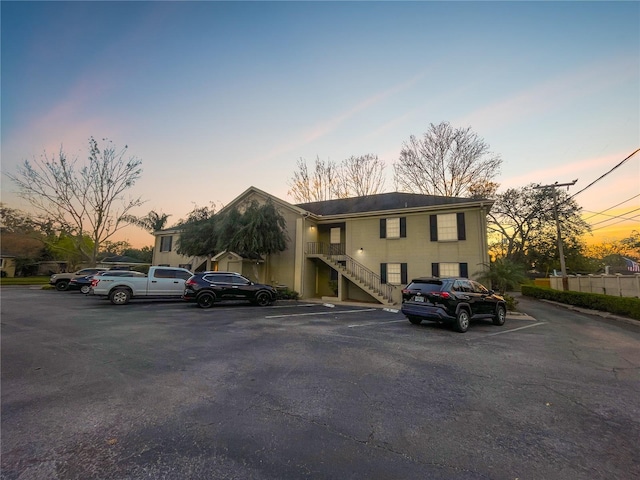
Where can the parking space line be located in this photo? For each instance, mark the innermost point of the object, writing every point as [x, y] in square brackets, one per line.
[333, 312]
[513, 329]
[294, 306]
[376, 323]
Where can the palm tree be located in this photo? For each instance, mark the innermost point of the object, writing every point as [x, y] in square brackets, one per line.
[503, 275]
[152, 222]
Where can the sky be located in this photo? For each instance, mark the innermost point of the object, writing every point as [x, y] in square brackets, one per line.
[215, 97]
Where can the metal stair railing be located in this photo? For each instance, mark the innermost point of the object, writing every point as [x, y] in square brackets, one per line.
[335, 253]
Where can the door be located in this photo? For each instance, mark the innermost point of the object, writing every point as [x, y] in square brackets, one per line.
[167, 282]
[335, 241]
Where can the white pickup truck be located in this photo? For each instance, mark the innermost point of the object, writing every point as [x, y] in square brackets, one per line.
[160, 282]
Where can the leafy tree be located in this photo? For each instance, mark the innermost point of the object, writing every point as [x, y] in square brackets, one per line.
[65, 248]
[522, 225]
[144, 254]
[198, 234]
[446, 161]
[503, 274]
[354, 177]
[262, 231]
[631, 245]
[152, 221]
[85, 200]
[114, 248]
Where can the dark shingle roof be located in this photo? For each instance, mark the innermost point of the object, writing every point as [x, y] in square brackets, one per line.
[379, 202]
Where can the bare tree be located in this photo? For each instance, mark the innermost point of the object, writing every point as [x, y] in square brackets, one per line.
[353, 177]
[446, 161]
[360, 176]
[86, 200]
[314, 186]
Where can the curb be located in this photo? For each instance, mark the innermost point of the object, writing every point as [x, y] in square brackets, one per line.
[587, 311]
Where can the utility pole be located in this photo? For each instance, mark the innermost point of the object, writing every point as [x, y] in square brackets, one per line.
[563, 268]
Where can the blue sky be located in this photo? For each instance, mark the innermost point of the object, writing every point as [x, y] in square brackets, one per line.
[215, 97]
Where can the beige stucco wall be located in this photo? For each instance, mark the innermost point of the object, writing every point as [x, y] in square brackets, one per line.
[416, 249]
[311, 277]
[9, 266]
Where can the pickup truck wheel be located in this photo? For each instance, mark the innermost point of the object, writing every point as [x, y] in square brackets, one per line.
[206, 300]
[120, 296]
[415, 320]
[500, 316]
[263, 299]
[462, 321]
[62, 285]
[85, 289]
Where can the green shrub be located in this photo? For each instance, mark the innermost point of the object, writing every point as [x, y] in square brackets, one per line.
[629, 306]
[287, 294]
[512, 303]
[38, 280]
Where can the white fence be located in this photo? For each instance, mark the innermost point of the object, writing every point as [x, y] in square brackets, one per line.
[616, 285]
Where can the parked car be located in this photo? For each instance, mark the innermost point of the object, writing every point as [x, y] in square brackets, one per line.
[207, 288]
[62, 281]
[160, 282]
[84, 283]
[451, 300]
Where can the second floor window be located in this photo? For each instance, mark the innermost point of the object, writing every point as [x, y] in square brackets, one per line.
[395, 227]
[447, 227]
[165, 243]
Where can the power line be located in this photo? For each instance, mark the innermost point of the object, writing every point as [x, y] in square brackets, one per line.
[607, 209]
[616, 216]
[619, 221]
[604, 175]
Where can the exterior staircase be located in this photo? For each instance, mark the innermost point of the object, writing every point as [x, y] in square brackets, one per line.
[369, 281]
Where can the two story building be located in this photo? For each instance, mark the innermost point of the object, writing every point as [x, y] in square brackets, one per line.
[362, 248]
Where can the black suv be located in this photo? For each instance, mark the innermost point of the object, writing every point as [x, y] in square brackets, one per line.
[451, 300]
[206, 288]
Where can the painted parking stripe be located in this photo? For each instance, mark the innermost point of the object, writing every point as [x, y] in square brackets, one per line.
[376, 323]
[321, 313]
[514, 329]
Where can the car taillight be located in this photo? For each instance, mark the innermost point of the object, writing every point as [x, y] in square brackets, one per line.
[190, 282]
[444, 295]
[94, 282]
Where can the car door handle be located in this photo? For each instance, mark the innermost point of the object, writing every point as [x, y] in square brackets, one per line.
[154, 281]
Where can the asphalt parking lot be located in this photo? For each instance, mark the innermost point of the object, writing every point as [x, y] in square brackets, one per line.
[307, 390]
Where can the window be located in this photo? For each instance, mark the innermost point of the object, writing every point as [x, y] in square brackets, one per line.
[238, 280]
[449, 269]
[393, 273]
[447, 227]
[393, 227]
[478, 288]
[165, 243]
[335, 235]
